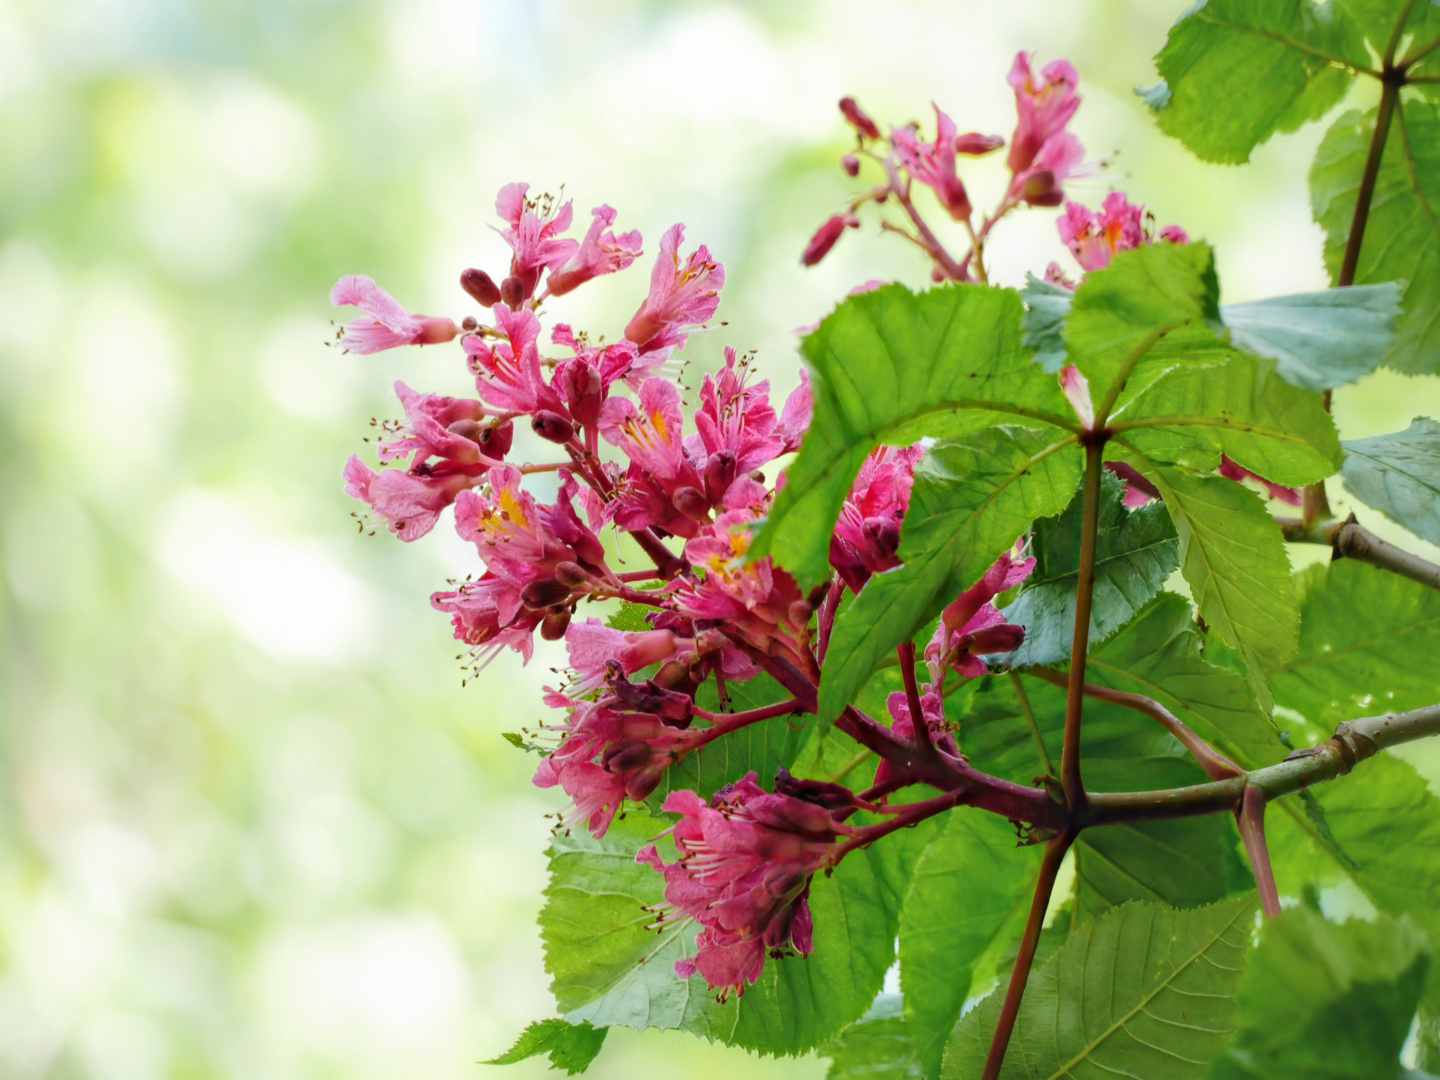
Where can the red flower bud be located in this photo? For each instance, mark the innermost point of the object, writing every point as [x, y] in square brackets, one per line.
[554, 625]
[719, 474]
[851, 164]
[996, 639]
[497, 439]
[858, 118]
[977, 145]
[690, 502]
[581, 384]
[543, 594]
[512, 291]
[480, 286]
[552, 426]
[825, 237]
[571, 575]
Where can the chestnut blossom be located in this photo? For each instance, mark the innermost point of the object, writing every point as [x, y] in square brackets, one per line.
[683, 294]
[933, 708]
[934, 165]
[601, 251]
[1119, 225]
[971, 626]
[867, 534]
[534, 233]
[386, 324]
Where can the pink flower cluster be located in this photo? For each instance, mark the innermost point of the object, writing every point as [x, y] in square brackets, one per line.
[1094, 237]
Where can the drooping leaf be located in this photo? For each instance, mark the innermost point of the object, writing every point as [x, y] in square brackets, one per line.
[1290, 56]
[1402, 231]
[879, 1046]
[1318, 340]
[1367, 645]
[1135, 552]
[967, 887]
[1142, 991]
[571, 1047]
[1321, 999]
[972, 499]
[1234, 560]
[1046, 306]
[1399, 475]
[891, 366]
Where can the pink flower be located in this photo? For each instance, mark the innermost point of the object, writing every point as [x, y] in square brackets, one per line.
[1042, 183]
[795, 415]
[522, 541]
[409, 502]
[509, 375]
[387, 324]
[488, 615]
[1043, 107]
[738, 431]
[1076, 389]
[971, 626]
[682, 295]
[825, 237]
[934, 165]
[441, 427]
[600, 252]
[1120, 225]
[1138, 490]
[941, 737]
[591, 645]
[867, 535]
[534, 233]
[743, 872]
[662, 487]
[1256, 482]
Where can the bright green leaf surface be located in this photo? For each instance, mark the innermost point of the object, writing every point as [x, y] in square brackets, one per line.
[1325, 1000]
[1318, 340]
[571, 1047]
[1399, 475]
[1284, 53]
[1367, 645]
[972, 499]
[1136, 551]
[879, 1046]
[1141, 991]
[1402, 232]
[891, 366]
[967, 887]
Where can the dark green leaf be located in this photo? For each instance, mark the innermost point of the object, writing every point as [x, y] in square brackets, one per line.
[1046, 306]
[1367, 645]
[1183, 863]
[1141, 991]
[1287, 55]
[1318, 340]
[1399, 475]
[1402, 233]
[570, 1046]
[1135, 552]
[971, 500]
[967, 887]
[1320, 999]
[891, 366]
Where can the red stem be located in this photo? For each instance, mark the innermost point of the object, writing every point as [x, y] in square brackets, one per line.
[1085, 588]
[1250, 816]
[906, 653]
[731, 721]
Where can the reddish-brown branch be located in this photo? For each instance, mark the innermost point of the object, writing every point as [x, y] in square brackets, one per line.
[1250, 816]
[1070, 779]
[905, 653]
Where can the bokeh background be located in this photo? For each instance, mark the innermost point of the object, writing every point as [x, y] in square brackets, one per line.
[251, 825]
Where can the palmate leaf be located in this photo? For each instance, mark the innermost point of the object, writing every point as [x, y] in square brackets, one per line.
[571, 1047]
[1399, 475]
[1320, 999]
[891, 366]
[1402, 232]
[1135, 552]
[1291, 56]
[1182, 863]
[1143, 990]
[972, 499]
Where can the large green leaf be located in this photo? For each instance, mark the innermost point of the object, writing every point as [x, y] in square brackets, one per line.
[1318, 340]
[608, 969]
[1399, 475]
[891, 366]
[1142, 991]
[967, 887]
[571, 1047]
[1234, 560]
[1183, 863]
[1367, 645]
[1289, 56]
[1325, 1000]
[971, 500]
[1402, 232]
[1135, 552]
[879, 1046]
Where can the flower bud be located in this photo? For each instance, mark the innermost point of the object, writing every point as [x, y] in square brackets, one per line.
[552, 426]
[883, 535]
[469, 324]
[977, 145]
[571, 575]
[543, 594]
[800, 612]
[818, 792]
[1041, 190]
[825, 237]
[858, 118]
[512, 291]
[555, 623]
[674, 675]
[691, 503]
[997, 639]
[851, 164]
[645, 647]
[719, 474]
[584, 392]
[497, 439]
[529, 278]
[480, 286]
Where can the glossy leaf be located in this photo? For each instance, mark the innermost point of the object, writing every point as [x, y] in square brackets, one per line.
[571, 1047]
[1136, 551]
[1288, 55]
[971, 500]
[1402, 231]
[1143, 990]
[1399, 475]
[1321, 999]
[891, 366]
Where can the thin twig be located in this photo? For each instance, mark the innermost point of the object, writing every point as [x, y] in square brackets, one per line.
[1250, 816]
[1388, 97]
[1350, 540]
[905, 653]
[1070, 779]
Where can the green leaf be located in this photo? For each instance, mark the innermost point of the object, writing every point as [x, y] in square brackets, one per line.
[630, 618]
[880, 1046]
[1399, 475]
[1402, 232]
[607, 968]
[967, 887]
[891, 366]
[1320, 999]
[1182, 863]
[1142, 991]
[1367, 645]
[971, 500]
[1377, 19]
[1046, 306]
[571, 1047]
[1234, 560]
[1318, 340]
[1286, 54]
[1135, 552]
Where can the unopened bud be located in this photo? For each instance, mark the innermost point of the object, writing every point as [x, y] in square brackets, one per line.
[1040, 189]
[851, 164]
[690, 502]
[554, 625]
[821, 793]
[571, 575]
[512, 291]
[858, 118]
[552, 426]
[997, 639]
[625, 756]
[645, 647]
[481, 287]
[977, 145]
[469, 323]
[497, 439]
[543, 594]
[825, 237]
[673, 674]
[719, 474]
[800, 612]
[468, 429]
[581, 383]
